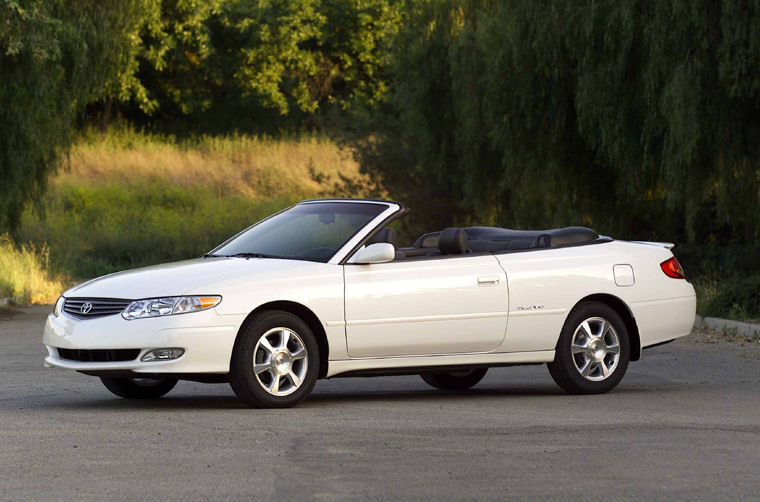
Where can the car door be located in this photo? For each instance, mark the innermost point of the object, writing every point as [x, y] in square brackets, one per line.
[434, 305]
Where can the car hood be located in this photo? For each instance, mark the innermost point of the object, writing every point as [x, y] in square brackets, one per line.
[174, 279]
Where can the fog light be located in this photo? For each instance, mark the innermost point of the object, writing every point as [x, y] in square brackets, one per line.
[162, 354]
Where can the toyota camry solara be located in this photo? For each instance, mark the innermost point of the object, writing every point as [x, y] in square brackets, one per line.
[322, 289]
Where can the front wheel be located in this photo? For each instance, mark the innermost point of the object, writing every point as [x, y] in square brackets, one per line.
[275, 361]
[139, 388]
[454, 380]
[593, 350]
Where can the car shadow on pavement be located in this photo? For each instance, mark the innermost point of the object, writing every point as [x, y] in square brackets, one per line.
[471, 397]
[210, 401]
[106, 402]
[324, 398]
[316, 400]
[428, 395]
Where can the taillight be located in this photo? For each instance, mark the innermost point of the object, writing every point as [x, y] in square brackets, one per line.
[672, 268]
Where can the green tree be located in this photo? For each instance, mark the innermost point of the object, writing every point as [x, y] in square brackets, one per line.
[168, 59]
[295, 58]
[55, 57]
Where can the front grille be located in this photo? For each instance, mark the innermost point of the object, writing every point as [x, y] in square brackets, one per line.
[99, 355]
[87, 308]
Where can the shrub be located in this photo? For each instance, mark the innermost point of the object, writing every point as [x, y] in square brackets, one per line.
[25, 273]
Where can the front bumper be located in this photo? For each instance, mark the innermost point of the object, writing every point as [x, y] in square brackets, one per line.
[207, 338]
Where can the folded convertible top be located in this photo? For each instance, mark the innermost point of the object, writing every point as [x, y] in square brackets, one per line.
[495, 238]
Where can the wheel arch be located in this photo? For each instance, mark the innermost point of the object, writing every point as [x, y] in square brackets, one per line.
[307, 316]
[624, 312]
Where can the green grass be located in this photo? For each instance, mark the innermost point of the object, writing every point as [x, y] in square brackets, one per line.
[726, 278]
[735, 297]
[131, 199]
[97, 229]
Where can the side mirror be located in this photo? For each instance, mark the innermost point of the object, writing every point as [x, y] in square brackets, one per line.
[380, 252]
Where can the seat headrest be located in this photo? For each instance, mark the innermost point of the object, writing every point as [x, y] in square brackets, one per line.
[572, 235]
[385, 235]
[453, 241]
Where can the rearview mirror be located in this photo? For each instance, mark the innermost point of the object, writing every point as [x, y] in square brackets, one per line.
[326, 218]
[380, 252]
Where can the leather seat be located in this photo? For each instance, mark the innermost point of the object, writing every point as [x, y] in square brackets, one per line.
[453, 241]
[385, 235]
[389, 236]
[504, 238]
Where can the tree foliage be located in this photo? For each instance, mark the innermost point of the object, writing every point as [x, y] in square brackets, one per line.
[294, 57]
[55, 57]
[168, 55]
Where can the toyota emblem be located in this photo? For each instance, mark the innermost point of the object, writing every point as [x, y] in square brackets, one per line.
[86, 307]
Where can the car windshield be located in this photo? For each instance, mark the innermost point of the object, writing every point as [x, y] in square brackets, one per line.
[312, 231]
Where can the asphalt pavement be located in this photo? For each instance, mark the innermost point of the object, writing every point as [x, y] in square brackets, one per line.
[683, 425]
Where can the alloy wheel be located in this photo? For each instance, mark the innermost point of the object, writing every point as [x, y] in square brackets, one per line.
[595, 349]
[280, 361]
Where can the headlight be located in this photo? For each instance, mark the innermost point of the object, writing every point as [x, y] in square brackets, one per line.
[58, 306]
[156, 307]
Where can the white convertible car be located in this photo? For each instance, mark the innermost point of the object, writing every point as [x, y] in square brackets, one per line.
[321, 289]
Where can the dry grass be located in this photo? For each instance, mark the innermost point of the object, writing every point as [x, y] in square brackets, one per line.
[25, 273]
[246, 166]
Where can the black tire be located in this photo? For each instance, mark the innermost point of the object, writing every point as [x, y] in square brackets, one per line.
[454, 380]
[252, 390]
[567, 367]
[139, 388]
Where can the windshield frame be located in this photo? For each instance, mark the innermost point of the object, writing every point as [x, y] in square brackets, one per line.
[391, 209]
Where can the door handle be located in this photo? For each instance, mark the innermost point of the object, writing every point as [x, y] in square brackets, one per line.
[488, 280]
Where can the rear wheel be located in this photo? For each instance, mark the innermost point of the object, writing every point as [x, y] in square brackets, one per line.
[275, 361]
[139, 388]
[593, 350]
[454, 380]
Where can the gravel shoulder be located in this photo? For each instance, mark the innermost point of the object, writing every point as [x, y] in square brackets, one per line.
[683, 425]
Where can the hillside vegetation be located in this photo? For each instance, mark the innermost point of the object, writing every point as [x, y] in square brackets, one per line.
[130, 199]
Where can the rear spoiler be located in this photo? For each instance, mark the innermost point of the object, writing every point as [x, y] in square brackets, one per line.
[666, 245]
